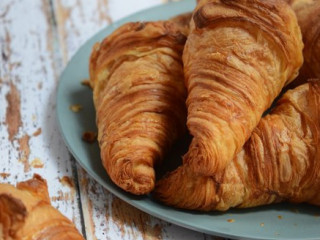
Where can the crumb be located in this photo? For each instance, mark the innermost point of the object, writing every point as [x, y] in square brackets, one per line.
[89, 136]
[66, 181]
[86, 82]
[280, 217]
[37, 163]
[4, 175]
[75, 107]
[262, 224]
[61, 197]
[231, 220]
[37, 133]
[295, 210]
[317, 215]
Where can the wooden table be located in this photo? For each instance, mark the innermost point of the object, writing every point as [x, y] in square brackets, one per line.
[37, 39]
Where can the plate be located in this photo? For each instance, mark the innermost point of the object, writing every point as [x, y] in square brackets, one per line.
[281, 221]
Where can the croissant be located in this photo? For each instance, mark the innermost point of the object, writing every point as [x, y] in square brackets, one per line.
[237, 58]
[26, 213]
[139, 95]
[308, 15]
[280, 162]
[182, 20]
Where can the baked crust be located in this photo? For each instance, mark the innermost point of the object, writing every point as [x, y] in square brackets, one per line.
[139, 95]
[280, 162]
[238, 56]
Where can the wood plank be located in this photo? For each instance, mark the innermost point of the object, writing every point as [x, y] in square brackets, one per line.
[29, 138]
[108, 217]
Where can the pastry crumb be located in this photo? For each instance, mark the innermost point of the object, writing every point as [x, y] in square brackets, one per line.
[262, 224]
[279, 217]
[66, 181]
[231, 220]
[86, 82]
[4, 175]
[37, 163]
[75, 107]
[37, 133]
[89, 136]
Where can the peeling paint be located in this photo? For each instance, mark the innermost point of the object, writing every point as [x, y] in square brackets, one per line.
[24, 151]
[92, 225]
[50, 36]
[63, 14]
[62, 196]
[13, 115]
[30, 63]
[127, 218]
[103, 11]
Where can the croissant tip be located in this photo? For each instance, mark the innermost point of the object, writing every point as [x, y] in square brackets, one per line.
[137, 188]
[39, 178]
[138, 180]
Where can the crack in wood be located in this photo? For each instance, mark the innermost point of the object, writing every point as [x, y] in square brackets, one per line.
[5, 12]
[55, 47]
[4, 56]
[75, 169]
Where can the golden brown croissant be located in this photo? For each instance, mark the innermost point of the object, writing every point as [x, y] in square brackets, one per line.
[280, 162]
[238, 56]
[308, 15]
[139, 96]
[182, 20]
[26, 213]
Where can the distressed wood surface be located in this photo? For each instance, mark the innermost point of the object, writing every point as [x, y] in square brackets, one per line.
[29, 139]
[37, 39]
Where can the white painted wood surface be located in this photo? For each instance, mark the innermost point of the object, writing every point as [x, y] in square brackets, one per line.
[37, 39]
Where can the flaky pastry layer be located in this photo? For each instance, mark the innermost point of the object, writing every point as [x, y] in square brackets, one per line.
[280, 162]
[26, 213]
[139, 96]
[238, 57]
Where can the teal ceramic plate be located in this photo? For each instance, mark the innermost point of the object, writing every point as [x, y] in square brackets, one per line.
[281, 221]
